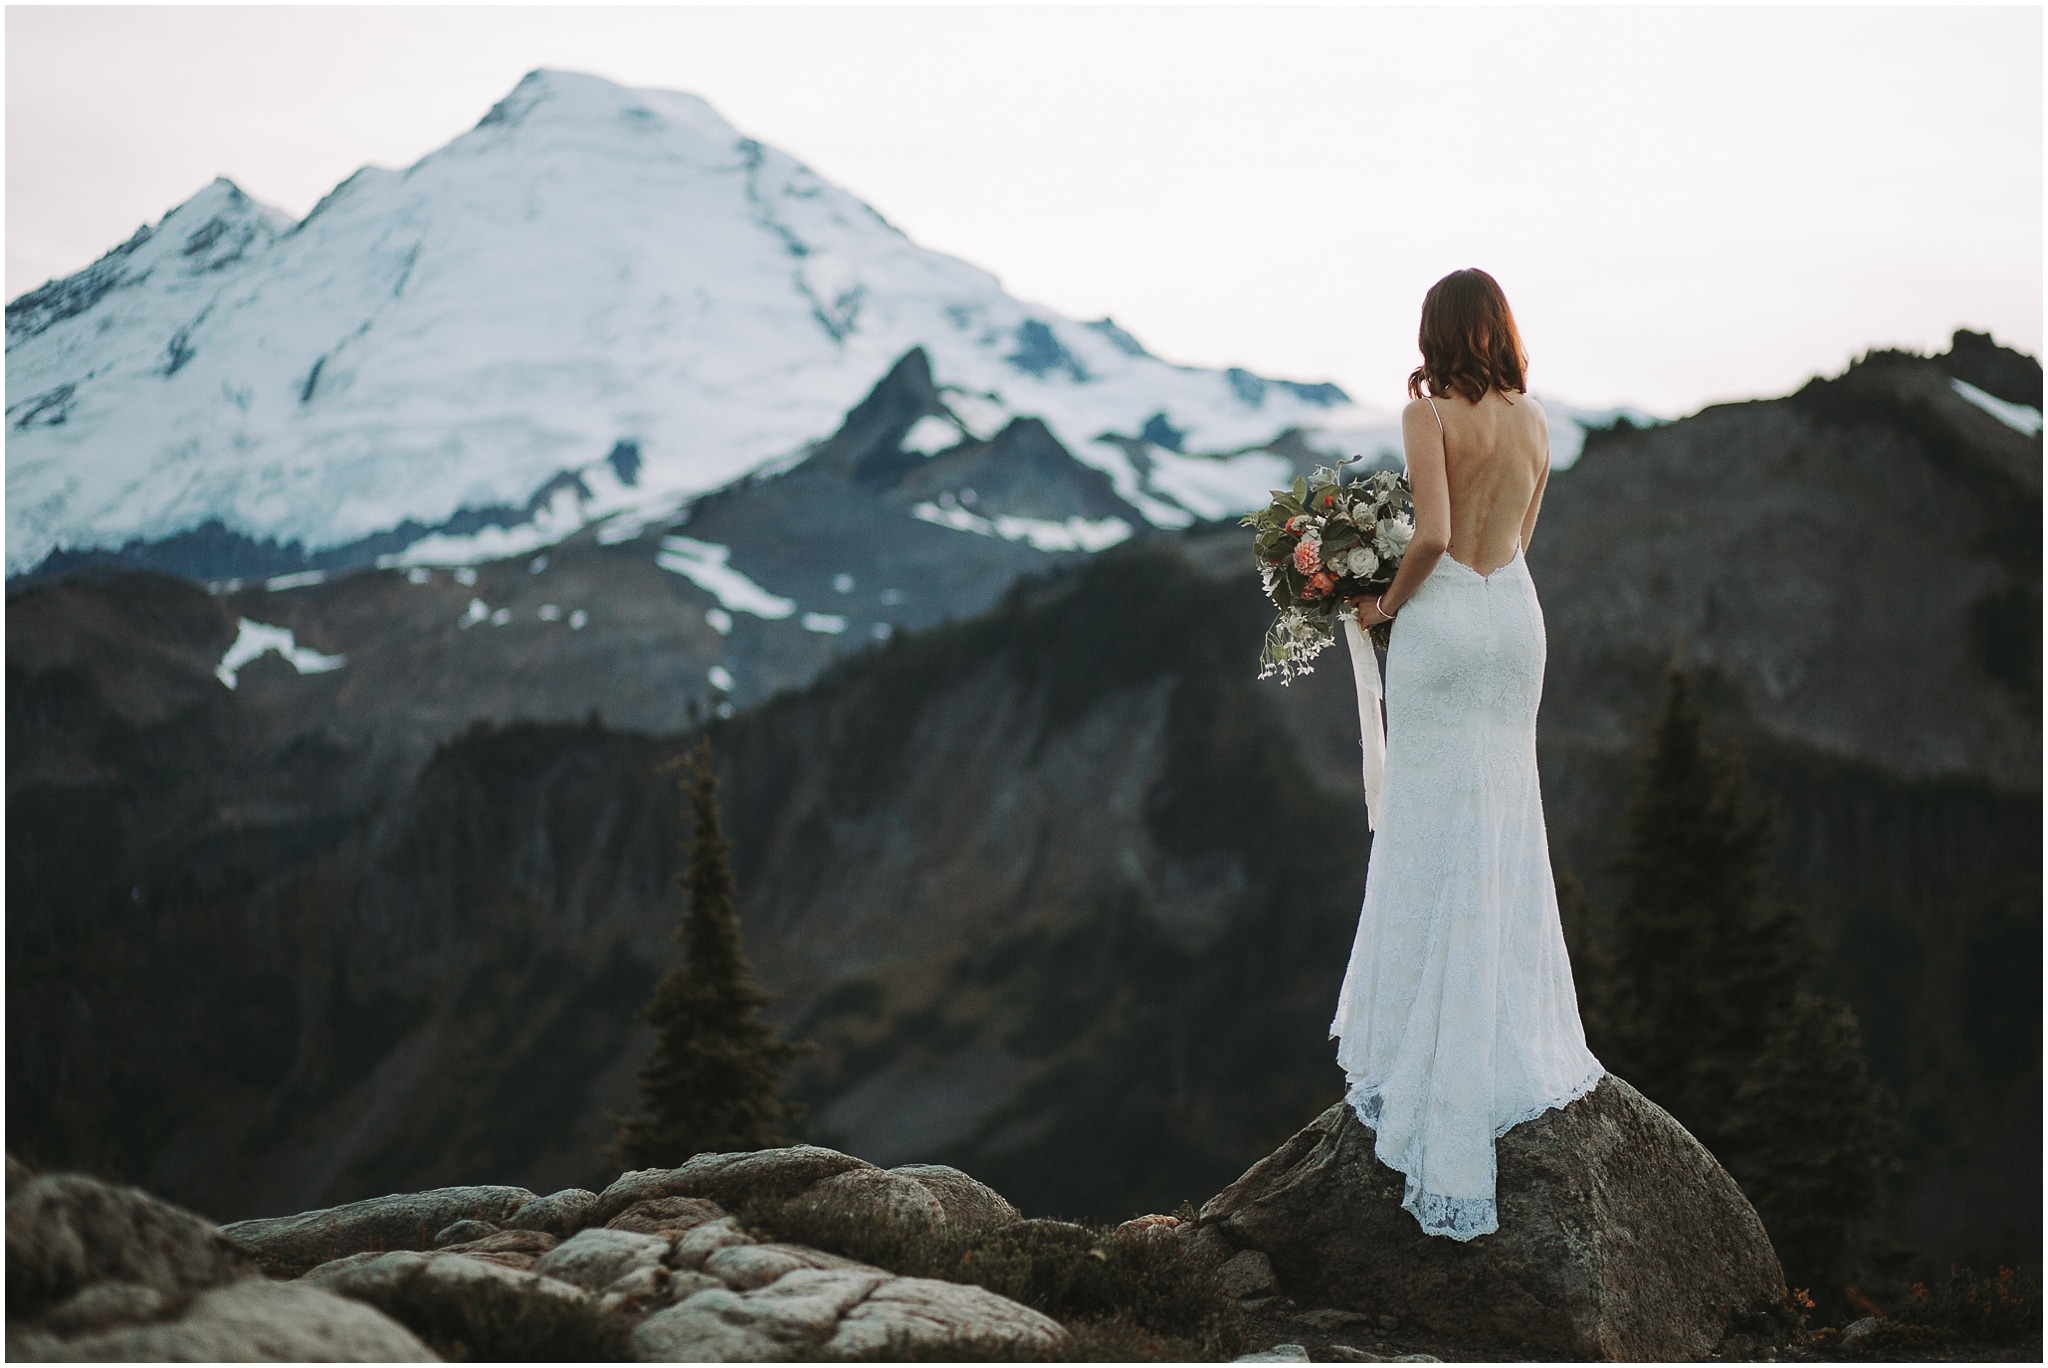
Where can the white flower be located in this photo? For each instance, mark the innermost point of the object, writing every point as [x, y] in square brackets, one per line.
[1361, 561]
[1393, 534]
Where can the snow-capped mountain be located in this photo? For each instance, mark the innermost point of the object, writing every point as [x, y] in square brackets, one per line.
[598, 303]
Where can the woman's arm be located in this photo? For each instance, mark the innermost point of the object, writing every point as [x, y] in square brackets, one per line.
[1431, 488]
[1542, 479]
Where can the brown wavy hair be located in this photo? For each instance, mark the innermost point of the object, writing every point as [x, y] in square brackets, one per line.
[1468, 339]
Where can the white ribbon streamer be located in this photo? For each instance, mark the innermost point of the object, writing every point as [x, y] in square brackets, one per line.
[1372, 736]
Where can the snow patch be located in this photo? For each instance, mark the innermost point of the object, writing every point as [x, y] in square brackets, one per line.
[982, 416]
[930, 435]
[1212, 488]
[627, 526]
[2024, 419]
[704, 564]
[253, 639]
[560, 516]
[720, 677]
[297, 580]
[1074, 534]
[832, 624]
[1569, 425]
[1112, 461]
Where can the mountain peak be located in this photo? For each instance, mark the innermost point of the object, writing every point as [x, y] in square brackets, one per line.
[551, 96]
[215, 228]
[590, 265]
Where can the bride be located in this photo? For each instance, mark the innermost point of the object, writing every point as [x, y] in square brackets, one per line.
[1458, 1018]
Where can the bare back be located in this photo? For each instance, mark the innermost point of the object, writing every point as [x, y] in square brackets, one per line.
[1496, 462]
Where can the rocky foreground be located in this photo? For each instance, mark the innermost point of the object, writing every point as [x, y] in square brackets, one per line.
[1621, 1238]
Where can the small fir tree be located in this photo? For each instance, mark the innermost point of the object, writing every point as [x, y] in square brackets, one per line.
[1701, 998]
[1810, 1137]
[1703, 958]
[714, 1079]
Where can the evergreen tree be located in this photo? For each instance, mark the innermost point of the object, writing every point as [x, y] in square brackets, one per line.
[1810, 1138]
[1703, 958]
[1701, 998]
[714, 1079]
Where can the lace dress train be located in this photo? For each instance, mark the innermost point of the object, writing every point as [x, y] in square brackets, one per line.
[1458, 1018]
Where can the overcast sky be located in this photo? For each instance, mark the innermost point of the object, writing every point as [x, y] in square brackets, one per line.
[1684, 205]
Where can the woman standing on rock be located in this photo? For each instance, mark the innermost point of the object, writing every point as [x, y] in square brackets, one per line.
[1458, 1018]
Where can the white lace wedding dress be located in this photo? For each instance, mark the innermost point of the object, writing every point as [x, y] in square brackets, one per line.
[1458, 1018]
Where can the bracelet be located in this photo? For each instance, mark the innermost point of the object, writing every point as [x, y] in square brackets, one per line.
[1379, 606]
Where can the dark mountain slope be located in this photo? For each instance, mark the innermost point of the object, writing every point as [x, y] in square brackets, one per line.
[1854, 572]
[1081, 802]
[126, 743]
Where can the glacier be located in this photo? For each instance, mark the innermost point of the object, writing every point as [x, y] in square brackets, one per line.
[595, 306]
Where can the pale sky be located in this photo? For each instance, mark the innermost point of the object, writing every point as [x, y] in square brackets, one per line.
[1684, 205]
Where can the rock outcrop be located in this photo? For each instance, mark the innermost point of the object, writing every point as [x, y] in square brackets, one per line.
[559, 1213]
[968, 1203]
[410, 1220]
[660, 1256]
[653, 1268]
[1620, 1236]
[251, 1321]
[729, 1179]
[101, 1273]
[67, 1234]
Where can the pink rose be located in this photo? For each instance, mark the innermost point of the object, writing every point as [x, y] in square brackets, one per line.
[1308, 557]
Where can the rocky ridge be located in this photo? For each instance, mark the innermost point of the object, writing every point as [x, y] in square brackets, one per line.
[660, 1251]
[1620, 1238]
[653, 1266]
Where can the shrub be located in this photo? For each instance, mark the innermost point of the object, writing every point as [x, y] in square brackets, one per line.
[1999, 1309]
[492, 1322]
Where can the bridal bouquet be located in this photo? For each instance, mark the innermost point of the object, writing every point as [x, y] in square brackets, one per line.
[1318, 544]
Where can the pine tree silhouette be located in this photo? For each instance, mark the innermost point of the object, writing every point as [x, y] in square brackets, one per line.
[1811, 1140]
[714, 1079]
[1701, 998]
[1703, 959]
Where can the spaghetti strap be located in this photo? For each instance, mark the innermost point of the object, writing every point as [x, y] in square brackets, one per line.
[1439, 416]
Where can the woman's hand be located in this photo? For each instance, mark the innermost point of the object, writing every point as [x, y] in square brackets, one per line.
[1367, 607]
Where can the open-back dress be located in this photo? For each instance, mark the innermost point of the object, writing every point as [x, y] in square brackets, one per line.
[1458, 1018]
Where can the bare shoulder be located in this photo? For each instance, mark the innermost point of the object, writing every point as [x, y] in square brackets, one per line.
[1537, 417]
[1419, 410]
